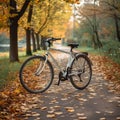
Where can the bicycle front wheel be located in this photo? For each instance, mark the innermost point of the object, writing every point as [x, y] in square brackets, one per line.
[36, 74]
[81, 72]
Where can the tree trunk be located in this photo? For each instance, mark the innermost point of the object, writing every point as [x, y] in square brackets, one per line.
[13, 33]
[13, 42]
[28, 42]
[99, 44]
[117, 27]
[33, 41]
[94, 42]
[38, 41]
[14, 27]
[43, 43]
[28, 31]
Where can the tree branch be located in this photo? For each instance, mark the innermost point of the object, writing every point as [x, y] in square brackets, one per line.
[23, 9]
[45, 22]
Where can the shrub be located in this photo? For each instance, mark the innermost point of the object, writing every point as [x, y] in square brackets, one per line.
[112, 49]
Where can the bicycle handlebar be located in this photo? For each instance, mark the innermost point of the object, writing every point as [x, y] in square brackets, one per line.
[49, 40]
[52, 39]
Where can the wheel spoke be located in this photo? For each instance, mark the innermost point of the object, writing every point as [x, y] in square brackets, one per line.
[81, 72]
[36, 75]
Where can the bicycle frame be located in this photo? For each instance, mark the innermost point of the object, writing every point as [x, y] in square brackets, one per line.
[39, 78]
[70, 59]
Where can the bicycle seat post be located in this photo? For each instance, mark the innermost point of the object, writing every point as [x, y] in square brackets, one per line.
[71, 48]
[73, 45]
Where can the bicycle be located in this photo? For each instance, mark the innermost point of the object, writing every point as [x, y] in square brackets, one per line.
[37, 73]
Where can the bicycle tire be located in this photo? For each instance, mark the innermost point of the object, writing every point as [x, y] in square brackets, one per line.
[34, 77]
[79, 77]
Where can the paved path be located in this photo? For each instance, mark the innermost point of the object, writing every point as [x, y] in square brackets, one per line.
[64, 102]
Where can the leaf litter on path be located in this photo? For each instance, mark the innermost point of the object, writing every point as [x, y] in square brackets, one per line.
[15, 101]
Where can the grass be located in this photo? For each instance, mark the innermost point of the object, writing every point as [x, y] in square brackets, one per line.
[89, 50]
[100, 52]
[8, 69]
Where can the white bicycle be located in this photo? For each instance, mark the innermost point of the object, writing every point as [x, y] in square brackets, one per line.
[37, 73]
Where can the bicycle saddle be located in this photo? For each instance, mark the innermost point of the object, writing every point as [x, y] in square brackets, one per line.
[73, 45]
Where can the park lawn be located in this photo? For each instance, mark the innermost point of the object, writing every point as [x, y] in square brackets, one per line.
[100, 52]
[9, 70]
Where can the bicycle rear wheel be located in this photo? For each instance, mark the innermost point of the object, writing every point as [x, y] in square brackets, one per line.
[36, 74]
[81, 72]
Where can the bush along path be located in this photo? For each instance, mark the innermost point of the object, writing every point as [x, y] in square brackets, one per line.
[99, 101]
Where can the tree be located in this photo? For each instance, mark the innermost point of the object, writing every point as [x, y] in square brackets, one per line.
[33, 40]
[28, 31]
[112, 9]
[3, 14]
[72, 1]
[45, 6]
[15, 15]
[89, 13]
[48, 15]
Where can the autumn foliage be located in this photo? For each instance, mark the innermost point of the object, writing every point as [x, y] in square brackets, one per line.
[72, 1]
[108, 69]
[13, 96]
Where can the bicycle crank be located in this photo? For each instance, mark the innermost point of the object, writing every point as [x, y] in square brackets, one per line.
[61, 78]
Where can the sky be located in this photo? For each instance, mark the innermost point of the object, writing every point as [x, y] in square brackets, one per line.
[83, 2]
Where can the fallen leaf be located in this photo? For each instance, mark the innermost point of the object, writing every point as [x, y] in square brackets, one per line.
[58, 113]
[43, 108]
[70, 109]
[50, 115]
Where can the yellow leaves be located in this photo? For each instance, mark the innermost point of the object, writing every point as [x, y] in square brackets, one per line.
[13, 15]
[3, 1]
[109, 70]
[70, 109]
[36, 1]
[72, 1]
[4, 95]
[17, 91]
[57, 15]
[53, 113]
[59, 113]
[3, 20]
[2, 102]
[43, 108]
[50, 115]
[28, 25]
[11, 98]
